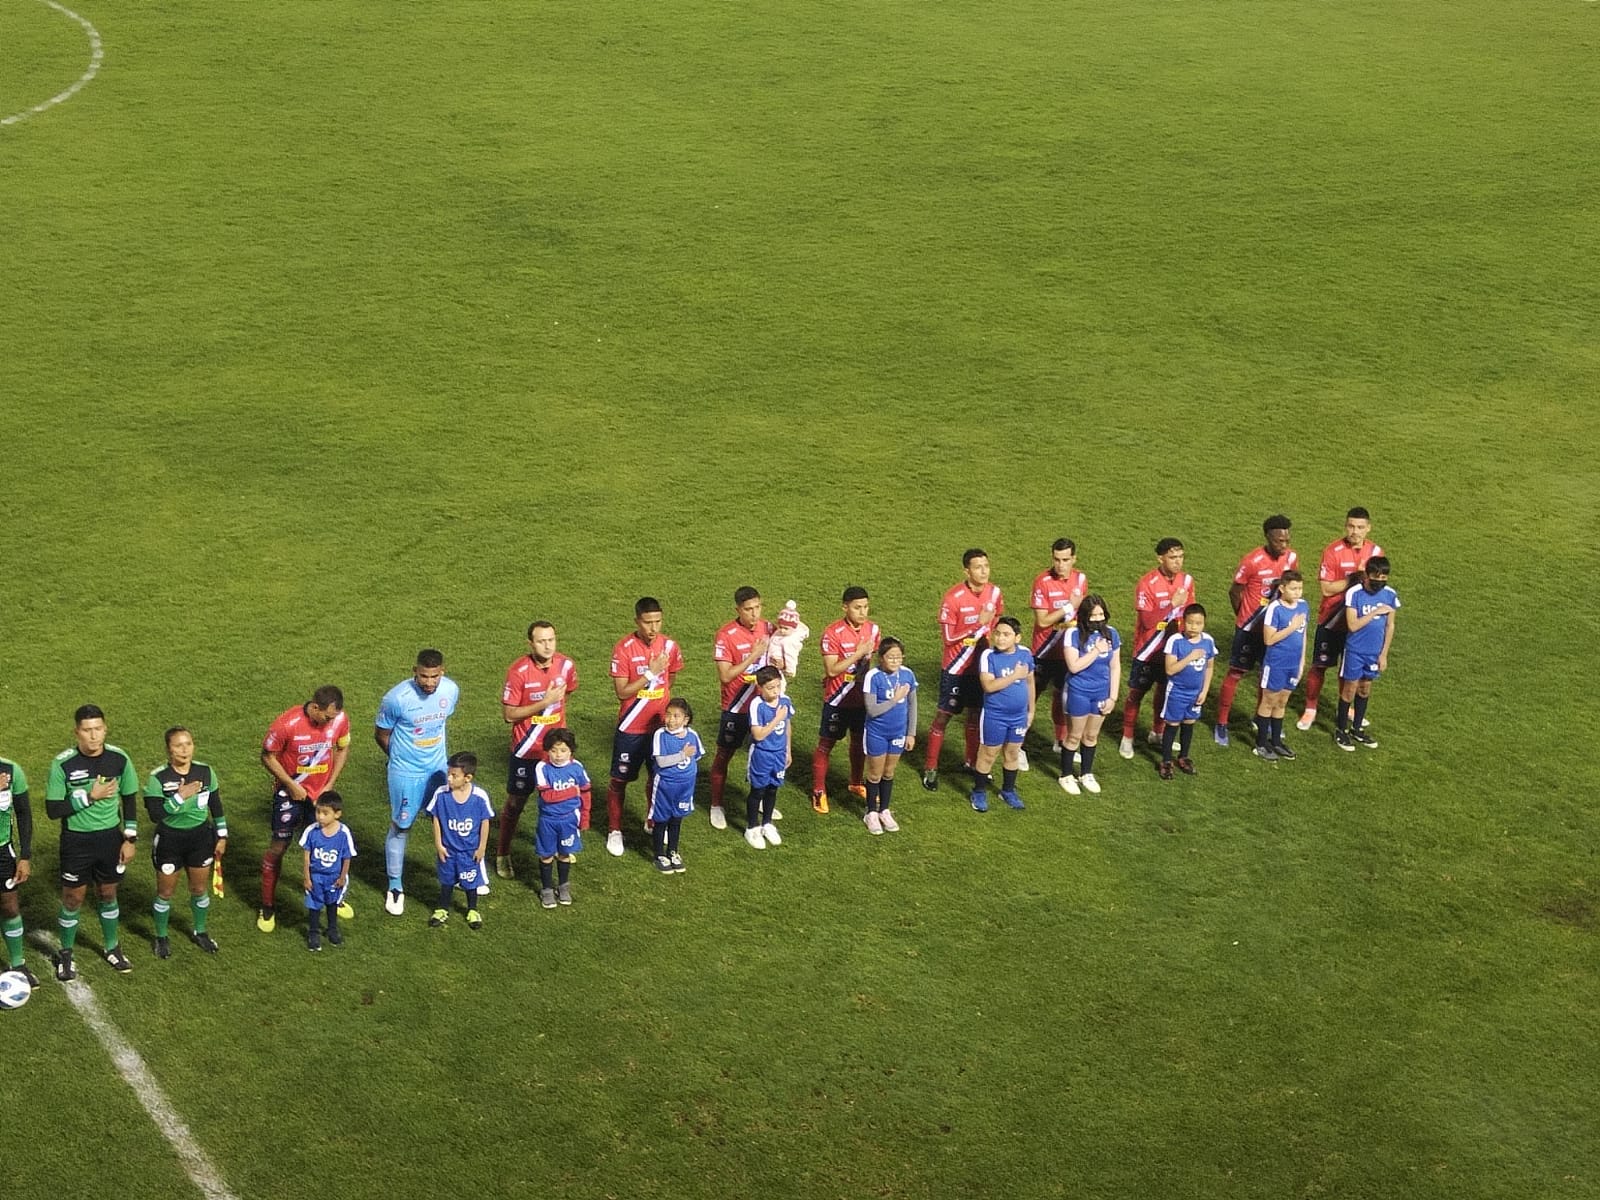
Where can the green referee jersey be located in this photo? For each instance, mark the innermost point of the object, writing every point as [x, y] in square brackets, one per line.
[73, 774]
[172, 811]
[17, 787]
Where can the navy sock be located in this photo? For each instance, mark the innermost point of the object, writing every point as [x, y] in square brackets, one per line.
[472, 899]
[1168, 735]
[982, 782]
[1263, 732]
[1360, 710]
[1086, 753]
[752, 809]
[1185, 737]
[1008, 780]
[885, 788]
[563, 870]
[769, 801]
[444, 894]
[1343, 720]
[874, 786]
[333, 921]
[674, 827]
[547, 874]
[658, 839]
[1275, 730]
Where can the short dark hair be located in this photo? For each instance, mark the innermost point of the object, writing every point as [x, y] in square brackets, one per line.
[1291, 576]
[1064, 544]
[328, 696]
[852, 594]
[172, 733]
[767, 674]
[561, 737]
[1276, 521]
[430, 658]
[1194, 610]
[329, 799]
[682, 705]
[646, 604]
[1358, 514]
[1166, 546]
[744, 595]
[969, 555]
[539, 625]
[87, 712]
[465, 761]
[890, 643]
[1012, 624]
[1378, 564]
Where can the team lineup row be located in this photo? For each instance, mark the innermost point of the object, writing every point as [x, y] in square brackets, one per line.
[986, 672]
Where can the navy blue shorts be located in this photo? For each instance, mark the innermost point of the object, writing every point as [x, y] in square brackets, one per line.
[733, 729]
[838, 721]
[628, 754]
[957, 693]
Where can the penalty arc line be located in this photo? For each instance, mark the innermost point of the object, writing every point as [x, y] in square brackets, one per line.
[96, 54]
[131, 1066]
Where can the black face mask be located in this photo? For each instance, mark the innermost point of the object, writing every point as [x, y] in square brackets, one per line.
[1097, 627]
[1375, 585]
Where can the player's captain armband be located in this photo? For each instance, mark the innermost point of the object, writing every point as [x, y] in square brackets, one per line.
[314, 769]
[544, 718]
[747, 678]
[654, 693]
[969, 641]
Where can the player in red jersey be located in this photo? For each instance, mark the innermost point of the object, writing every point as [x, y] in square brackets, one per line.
[847, 649]
[739, 651]
[1341, 561]
[967, 613]
[642, 667]
[1056, 596]
[1255, 583]
[533, 703]
[304, 752]
[1158, 601]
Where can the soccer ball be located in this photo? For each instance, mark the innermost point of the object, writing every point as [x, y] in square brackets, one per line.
[14, 989]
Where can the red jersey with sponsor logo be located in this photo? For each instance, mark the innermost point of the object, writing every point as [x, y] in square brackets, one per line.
[305, 750]
[1154, 609]
[1258, 573]
[630, 660]
[1339, 562]
[1051, 593]
[733, 645]
[842, 639]
[962, 627]
[527, 683]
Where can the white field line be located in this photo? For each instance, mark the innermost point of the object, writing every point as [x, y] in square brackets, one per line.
[96, 53]
[200, 1169]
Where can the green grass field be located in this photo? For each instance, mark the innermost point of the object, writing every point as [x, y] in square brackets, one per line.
[333, 330]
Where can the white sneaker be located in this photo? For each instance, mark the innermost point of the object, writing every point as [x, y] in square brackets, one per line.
[1022, 760]
[1125, 748]
[1153, 738]
[719, 817]
[1306, 719]
[1069, 785]
[753, 836]
[614, 843]
[776, 815]
[394, 903]
[890, 825]
[1056, 745]
[1090, 785]
[770, 832]
[874, 823]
